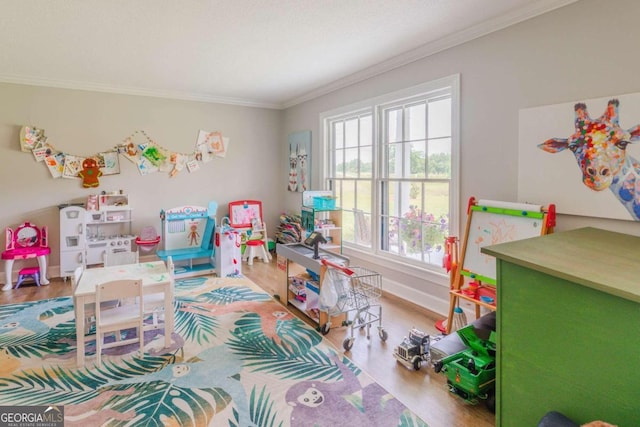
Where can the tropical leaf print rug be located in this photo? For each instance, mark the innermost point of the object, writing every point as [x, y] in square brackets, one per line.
[238, 359]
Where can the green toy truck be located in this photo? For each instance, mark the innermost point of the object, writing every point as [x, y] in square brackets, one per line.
[471, 373]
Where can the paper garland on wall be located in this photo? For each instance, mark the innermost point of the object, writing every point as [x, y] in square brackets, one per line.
[139, 148]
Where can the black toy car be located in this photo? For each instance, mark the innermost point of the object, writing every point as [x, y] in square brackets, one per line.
[413, 350]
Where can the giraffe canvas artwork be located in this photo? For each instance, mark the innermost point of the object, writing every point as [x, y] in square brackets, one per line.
[601, 163]
[599, 147]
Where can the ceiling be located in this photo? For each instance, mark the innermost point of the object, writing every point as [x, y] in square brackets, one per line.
[263, 53]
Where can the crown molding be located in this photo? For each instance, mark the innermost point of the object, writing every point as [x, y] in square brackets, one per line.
[532, 10]
[120, 90]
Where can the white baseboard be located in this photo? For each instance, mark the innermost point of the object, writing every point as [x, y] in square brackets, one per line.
[430, 302]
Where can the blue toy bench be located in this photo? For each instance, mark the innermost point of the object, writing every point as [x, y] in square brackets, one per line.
[187, 237]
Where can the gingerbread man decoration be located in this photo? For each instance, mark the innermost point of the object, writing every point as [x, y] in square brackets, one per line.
[90, 173]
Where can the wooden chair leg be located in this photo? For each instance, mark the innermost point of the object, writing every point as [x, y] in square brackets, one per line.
[453, 300]
[99, 339]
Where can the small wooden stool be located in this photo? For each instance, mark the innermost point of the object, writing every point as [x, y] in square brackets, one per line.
[28, 273]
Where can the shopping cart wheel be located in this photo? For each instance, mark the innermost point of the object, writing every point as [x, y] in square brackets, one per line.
[347, 344]
[324, 329]
[383, 334]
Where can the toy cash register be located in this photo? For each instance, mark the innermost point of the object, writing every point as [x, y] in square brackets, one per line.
[314, 240]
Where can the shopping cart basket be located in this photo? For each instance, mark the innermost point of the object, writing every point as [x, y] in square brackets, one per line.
[357, 294]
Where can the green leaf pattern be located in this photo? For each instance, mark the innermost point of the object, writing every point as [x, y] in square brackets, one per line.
[38, 364]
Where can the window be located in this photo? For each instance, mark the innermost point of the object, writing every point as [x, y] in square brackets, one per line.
[392, 162]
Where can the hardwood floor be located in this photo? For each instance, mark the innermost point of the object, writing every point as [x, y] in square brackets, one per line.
[423, 391]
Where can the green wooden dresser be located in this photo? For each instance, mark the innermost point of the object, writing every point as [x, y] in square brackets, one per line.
[568, 324]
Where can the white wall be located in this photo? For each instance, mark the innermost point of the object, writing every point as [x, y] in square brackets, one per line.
[85, 123]
[581, 51]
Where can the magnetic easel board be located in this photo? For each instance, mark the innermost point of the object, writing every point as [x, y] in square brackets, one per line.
[492, 222]
[242, 213]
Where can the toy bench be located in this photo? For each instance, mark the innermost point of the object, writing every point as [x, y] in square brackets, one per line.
[187, 233]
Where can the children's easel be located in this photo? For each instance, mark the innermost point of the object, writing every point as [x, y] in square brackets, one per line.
[187, 235]
[490, 222]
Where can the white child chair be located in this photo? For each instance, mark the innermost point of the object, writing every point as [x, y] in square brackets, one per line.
[154, 303]
[126, 316]
[89, 309]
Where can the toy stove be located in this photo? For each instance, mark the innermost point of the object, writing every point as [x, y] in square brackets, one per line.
[120, 243]
[116, 243]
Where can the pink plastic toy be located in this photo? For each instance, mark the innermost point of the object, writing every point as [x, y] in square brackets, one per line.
[25, 242]
[148, 239]
[28, 273]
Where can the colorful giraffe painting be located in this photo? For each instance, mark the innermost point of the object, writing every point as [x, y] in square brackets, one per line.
[599, 147]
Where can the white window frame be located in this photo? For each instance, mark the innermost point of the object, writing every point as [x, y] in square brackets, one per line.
[373, 105]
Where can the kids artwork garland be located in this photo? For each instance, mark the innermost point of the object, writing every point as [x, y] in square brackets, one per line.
[139, 148]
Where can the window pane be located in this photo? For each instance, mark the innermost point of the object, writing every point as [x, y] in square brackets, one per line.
[440, 118]
[336, 185]
[352, 164]
[366, 162]
[394, 125]
[366, 129]
[440, 158]
[351, 133]
[416, 124]
[348, 197]
[392, 197]
[437, 198]
[338, 135]
[391, 238]
[348, 221]
[339, 163]
[418, 159]
[362, 228]
[394, 168]
[363, 199]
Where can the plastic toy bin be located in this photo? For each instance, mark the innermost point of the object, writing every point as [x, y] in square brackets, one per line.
[324, 202]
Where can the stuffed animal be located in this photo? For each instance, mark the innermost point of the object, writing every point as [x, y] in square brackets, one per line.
[90, 173]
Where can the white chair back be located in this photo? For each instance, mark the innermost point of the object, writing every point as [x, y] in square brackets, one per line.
[125, 316]
[120, 258]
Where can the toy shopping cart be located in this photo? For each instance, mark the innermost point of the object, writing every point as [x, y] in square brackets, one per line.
[354, 291]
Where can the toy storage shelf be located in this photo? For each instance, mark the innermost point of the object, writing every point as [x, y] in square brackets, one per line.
[568, 324]
[294, 259]
[327, 221]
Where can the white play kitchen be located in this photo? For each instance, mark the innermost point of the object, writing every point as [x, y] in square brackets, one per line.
[89, 231]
